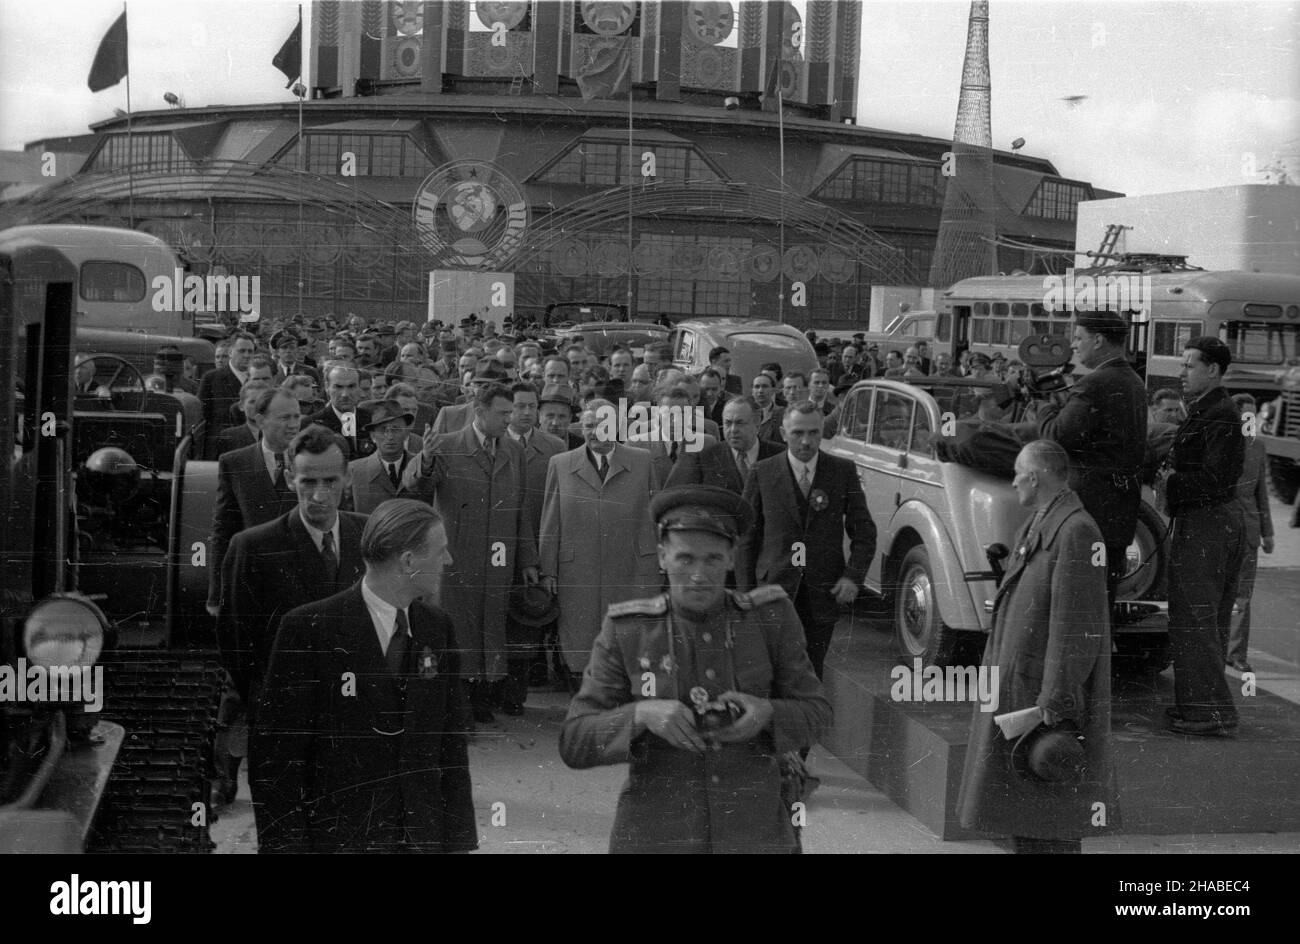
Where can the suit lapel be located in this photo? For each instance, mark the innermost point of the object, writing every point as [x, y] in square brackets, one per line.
[581, 466]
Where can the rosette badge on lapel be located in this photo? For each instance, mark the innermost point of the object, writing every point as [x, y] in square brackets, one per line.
[817, 500]
[428, 664]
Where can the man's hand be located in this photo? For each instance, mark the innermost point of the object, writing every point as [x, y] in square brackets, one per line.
[531, 576]
[844, 591]
[1267, 543]
[756, 717]
[427, 452]
[550, 585]
[1050, 718]
[213, 609]
[672, 721]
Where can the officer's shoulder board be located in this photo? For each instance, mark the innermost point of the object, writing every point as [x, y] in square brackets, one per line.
[649, 606]
[768, 593]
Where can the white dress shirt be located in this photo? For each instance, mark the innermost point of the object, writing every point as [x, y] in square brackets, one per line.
[798, 468]
[382, 614]
[318, 537]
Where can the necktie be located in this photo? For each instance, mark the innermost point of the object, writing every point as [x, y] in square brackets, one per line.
[489, 446]
[392, 474]
[280, 484]
[398, 645]
[601, 467]
[805, 482]
[672, 453]
[329, 556]
[742, 465]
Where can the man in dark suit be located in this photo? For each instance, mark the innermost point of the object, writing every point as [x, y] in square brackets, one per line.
[712, 396]
[377, 762]
[768, 416]
[252, 484]
[342, 415]
[246, 433]
[728, 463]
[378, 477]
[1102, 425]
[287, 348]
[720, 361]
[805, 502]
[1207, 545]
[219, 388]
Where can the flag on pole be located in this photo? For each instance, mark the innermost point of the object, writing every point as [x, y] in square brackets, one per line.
[289, 59]
[608, 73]
[110, 66]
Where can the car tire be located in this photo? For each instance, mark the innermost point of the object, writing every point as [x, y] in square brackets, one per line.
[1150, 545]
[918, 630]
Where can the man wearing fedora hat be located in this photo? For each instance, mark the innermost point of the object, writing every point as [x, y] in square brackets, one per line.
[1050, 648]
[1101, 422]
[702, 691]
[378, 477]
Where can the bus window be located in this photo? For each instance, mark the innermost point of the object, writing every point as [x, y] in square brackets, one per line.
[1001, 309]
[111, 282]
[1172, 336]
[998, 332]
[1040, 327]
[1061, 313]
[1037, 311]
[979, 331]
[981, 309]
[1019, 331]
[1257, 343]
[1019, 310]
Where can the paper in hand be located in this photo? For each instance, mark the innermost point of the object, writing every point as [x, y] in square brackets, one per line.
[1015, 723]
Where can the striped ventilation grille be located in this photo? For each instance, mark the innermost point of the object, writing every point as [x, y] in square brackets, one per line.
[1291, 403]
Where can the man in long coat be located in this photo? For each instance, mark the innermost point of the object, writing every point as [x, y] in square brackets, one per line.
[1050, 644]
[598, 544]
[475, 478]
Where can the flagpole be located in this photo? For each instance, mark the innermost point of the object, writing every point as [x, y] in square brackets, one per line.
[780, 262]
[631, 163]
[302, 154]
[130, 142]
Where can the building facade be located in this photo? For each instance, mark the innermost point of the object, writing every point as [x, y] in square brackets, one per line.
[453, 135]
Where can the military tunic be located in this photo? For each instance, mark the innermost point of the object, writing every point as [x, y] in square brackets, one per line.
[726, 800]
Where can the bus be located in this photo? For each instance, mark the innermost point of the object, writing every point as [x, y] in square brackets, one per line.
[1256, 314]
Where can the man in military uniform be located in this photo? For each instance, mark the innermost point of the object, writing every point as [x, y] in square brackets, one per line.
[702, 690]
[1102, 425]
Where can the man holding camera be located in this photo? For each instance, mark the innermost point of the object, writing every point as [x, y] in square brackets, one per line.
[1102, 425]
[702, 690]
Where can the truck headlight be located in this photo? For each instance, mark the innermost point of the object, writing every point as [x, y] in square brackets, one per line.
[64, 629]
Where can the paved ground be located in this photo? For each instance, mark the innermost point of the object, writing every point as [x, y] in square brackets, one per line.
[548, 808]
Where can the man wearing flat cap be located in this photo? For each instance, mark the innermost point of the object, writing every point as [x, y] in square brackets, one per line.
[378, 477]
[1101, 422]
[702, 690]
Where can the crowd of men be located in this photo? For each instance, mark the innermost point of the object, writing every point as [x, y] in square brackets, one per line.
[416, 524]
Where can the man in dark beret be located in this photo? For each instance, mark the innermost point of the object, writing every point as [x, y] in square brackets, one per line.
[1101, 422]
[703, 690]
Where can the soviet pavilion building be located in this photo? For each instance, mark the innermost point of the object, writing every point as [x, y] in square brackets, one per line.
[456, 136]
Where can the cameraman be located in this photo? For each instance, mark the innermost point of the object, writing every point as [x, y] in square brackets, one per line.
[1101, 421]
[702, 690]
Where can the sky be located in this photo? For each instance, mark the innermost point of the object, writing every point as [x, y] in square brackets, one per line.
[1179, 95]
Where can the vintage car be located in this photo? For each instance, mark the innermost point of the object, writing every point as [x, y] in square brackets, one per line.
[938, 521]
[751, 341]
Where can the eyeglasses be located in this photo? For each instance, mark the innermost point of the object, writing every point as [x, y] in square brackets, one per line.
[391, 431]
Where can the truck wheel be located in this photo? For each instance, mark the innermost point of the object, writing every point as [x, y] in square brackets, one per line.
[918, 630]
[1283, 478]
[1142, 654]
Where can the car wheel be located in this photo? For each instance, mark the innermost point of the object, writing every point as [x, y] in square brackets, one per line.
[917, 627]
[1146, 558]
